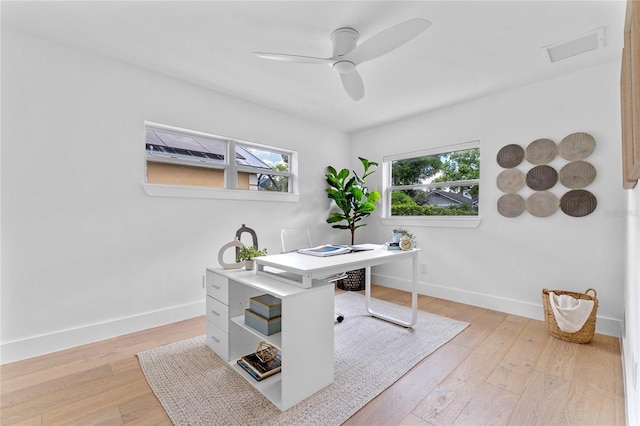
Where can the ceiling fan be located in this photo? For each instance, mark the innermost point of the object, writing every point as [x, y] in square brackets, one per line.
[347, 54]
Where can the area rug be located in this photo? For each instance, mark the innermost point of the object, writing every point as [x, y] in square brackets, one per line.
[196, 387]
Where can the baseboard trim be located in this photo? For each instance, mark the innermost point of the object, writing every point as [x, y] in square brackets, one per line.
[39, 345]
[604, 325]
[52, 342]
[632, 410]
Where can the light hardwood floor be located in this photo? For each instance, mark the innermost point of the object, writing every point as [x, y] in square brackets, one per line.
[502, 369]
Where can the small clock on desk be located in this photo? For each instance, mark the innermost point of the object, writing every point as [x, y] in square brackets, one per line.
[406, 243]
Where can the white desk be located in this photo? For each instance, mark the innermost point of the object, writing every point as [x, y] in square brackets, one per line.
[307, 335]
[301, 270]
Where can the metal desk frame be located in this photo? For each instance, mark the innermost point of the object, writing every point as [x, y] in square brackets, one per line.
[301, 269]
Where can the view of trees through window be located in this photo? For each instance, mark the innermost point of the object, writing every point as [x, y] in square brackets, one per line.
[443, 184]
[277, 178]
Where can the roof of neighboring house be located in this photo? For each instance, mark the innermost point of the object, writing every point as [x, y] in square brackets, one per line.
[197, 147]
[453, 196]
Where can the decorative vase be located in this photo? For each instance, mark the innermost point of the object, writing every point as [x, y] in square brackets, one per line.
[236, 265]
[354, 281]
[249, 264]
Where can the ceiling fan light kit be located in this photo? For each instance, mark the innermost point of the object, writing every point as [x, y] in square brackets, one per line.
[348, 54]
[344, 67]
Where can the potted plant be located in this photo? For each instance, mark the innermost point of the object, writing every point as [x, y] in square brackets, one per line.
[247, 253]
[351, 196]
[355, 202]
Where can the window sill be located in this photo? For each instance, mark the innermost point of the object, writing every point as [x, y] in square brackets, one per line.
[158, 190]
[434, 221]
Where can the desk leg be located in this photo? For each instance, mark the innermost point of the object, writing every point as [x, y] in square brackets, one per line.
[414, 297]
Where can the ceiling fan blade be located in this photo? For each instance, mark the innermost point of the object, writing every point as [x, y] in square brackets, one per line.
[353, 84]
[387, 40]
[293, 58]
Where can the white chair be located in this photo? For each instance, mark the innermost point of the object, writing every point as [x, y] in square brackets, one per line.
[297, 238]
[294, 239]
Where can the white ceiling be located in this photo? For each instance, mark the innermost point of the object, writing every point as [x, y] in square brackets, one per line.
[472, 49]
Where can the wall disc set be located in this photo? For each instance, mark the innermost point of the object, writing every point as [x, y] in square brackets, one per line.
[575, 175]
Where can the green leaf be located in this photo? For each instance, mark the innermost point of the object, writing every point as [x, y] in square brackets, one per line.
[367, 207]
[349, 184]
[357, 193]
[331, 180]
[335, 217]
[343, 174]
[367, 165]
[340, 226]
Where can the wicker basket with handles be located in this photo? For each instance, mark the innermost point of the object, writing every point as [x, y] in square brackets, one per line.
[354, 281]
[585, 334]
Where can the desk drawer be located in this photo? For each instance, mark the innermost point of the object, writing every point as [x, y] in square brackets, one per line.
[218, 287]
[218, 340]
[218, 313]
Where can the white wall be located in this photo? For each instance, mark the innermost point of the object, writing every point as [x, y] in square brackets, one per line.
[504, 263]
[86, 253]
[631, 336]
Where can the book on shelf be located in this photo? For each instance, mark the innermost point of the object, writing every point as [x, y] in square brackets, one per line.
[257, 369]
[333, 249]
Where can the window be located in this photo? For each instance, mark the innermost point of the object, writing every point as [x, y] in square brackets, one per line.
[439, 182]
[189, 159]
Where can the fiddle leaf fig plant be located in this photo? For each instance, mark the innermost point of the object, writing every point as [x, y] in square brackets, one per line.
[351, 196]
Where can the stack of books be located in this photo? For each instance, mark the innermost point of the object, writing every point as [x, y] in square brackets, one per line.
[260, 370]
[264, 314]
[393, 246]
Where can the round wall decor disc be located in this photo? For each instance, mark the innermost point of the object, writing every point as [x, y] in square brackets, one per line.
[542, 204]
[510, 205]
[510, 156]
[577, 146]
[577, 174]
[540, 178]
[510, 181]
[541, 151]
[578, 203]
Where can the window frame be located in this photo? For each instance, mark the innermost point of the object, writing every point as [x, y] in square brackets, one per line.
[230, 169]
[435, 221]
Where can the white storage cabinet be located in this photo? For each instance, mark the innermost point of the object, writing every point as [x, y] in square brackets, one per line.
[305, 341]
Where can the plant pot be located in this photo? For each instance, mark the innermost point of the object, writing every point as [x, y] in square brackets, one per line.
[354, 281]
[249, 264]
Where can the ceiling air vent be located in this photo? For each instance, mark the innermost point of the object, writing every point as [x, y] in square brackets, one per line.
[575, 46]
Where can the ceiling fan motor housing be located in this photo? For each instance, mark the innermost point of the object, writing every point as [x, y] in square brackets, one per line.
[344, 40]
